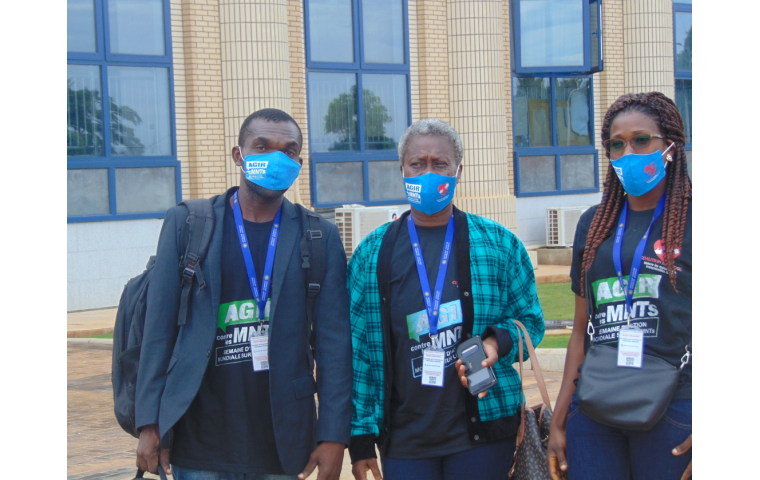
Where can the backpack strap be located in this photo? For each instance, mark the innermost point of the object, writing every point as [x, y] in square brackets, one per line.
[200, 226]
[314, 256]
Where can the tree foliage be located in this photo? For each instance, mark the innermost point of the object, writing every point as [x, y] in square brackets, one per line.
[85, 124]
[342, 120]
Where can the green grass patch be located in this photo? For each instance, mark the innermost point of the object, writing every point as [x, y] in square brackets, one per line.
[554, 341]
[105, 335]
[557, 301]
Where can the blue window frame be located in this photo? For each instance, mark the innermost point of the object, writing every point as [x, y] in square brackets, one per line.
[126, 167]
[557, 36]
[553, 131]
[353, 137]
[682, 55]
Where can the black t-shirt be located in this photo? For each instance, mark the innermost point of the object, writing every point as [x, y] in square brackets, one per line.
[228, 427]
[663, 313]
[426, 421]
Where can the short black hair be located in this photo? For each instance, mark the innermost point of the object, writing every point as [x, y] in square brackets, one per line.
[270, 115]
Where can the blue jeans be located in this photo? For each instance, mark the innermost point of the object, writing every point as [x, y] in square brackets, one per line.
[489, 462]
[596, 451]
[181, 473]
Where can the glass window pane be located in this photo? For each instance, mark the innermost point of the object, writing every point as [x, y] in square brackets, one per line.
[593, 12]
[537, 173]
[386, 114]
[332, 112]
[683, 100]
[688, 162]
[80, 26]
[682, 1]
[87, 192]
[576, 171]
[331, 31]
[683, 41]
[145, 189]
[386, 181]
[137, 27]
[383, 27]
[532, 112]
[551, 33]
[140, 111]
[573, 111]
[84, 111]
[340, 182]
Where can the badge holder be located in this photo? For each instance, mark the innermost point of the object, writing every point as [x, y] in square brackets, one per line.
[433, 359]
[260, 350]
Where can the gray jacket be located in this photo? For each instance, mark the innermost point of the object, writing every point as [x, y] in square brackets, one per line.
[173, 359]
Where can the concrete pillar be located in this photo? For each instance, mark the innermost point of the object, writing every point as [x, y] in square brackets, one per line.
[255, 66]
[648, 35]
[478, 109]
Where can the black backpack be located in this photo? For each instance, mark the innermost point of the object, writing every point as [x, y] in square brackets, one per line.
[130, 317]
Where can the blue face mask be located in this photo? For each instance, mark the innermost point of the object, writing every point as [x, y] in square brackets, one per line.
[430, 193]
[273, 171]
[639, 173]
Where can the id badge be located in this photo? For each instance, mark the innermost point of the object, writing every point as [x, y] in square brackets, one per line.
[432, 367]
[630, 347]
[260, 353]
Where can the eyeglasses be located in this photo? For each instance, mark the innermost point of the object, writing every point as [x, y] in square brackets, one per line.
[615, 146]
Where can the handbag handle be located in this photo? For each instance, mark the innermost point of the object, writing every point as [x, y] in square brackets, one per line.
[533, 362]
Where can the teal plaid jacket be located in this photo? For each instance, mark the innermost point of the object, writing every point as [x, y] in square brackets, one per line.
[503, 288]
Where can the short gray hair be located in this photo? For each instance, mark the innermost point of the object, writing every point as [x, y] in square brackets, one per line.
[430, 126]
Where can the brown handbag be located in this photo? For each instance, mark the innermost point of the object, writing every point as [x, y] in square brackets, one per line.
[530, 459]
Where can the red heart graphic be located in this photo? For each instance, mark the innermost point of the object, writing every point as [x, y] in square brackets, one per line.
[659, 249]
[443, 188]
[651, 169]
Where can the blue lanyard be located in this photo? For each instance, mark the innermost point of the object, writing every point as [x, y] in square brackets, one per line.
[261, 298]
[636, 264]
[432, 305]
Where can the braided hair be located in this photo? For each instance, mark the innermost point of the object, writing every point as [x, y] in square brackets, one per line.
[664, 112]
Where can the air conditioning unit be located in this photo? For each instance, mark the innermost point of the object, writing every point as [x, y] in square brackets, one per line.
[356, 222]
[560, 225]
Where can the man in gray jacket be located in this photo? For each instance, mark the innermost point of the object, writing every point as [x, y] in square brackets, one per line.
[230, 394]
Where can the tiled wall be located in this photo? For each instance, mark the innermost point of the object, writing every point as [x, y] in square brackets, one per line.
[198, 96]
[255, 65]
[478, 108]
[611, 81]
[648, 36]
[102, 256]
[301, 191]
[432, 34]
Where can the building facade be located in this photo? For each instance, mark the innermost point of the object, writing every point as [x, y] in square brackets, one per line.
[526, 83]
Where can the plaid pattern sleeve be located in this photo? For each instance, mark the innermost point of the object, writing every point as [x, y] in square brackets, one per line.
[366, 336]
[503, 289]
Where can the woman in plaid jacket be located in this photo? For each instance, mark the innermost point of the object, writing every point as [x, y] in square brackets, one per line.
[424, 430]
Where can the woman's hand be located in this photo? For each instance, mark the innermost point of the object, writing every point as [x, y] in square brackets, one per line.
[557, 447]
[681, 449]
[492, 356]
[361, 467]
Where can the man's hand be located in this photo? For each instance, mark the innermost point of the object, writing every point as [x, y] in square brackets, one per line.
[681, 449]
[362, 466]
[492, 355]
[329, 457]
[149, 451]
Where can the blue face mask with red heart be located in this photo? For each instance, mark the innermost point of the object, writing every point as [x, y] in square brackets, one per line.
[639, 173]
[430, 193]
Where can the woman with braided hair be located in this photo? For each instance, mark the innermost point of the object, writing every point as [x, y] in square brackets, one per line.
[632, 261]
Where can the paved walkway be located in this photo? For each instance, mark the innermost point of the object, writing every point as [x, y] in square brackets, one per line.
[90, 322]
[99, 449]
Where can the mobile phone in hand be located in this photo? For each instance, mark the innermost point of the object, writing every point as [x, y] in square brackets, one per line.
[472, 354]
